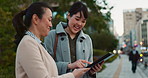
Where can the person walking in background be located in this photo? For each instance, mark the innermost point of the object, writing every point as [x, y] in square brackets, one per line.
[134, 57]
[69, 45]
[32, 60]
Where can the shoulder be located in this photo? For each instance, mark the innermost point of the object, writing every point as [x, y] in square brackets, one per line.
[27, 47]
[87, 37]
[137, 52]
[51, 34]
[27, 40]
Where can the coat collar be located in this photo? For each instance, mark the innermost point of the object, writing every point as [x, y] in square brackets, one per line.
[33, 36]
[60, 30]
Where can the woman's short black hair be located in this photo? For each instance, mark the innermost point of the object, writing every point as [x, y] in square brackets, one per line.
[78, 7]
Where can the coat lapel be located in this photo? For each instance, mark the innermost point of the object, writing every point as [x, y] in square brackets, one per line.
[65, 48]
[80, 46]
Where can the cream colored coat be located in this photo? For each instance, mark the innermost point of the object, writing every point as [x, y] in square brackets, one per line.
[33, 61]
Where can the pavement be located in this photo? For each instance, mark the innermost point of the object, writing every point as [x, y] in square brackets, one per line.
[121, 68]
[143, 68]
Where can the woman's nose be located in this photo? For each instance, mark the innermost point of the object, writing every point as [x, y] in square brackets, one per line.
[50, 24]
[79, 23]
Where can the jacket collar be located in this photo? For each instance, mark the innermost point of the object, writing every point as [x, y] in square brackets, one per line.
[60, 30]
[33, 36]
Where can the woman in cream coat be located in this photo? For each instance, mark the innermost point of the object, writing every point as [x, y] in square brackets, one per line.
[32, 60]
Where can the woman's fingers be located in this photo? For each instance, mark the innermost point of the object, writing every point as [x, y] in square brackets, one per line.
[81, 63]
[84, 61]
[95, 69]
[78, 64]
[79, 72]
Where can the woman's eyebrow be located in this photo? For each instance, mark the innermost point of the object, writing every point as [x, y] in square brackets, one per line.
[80, 17]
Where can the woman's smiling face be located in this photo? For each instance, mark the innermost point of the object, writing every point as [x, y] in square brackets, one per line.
[76, 22]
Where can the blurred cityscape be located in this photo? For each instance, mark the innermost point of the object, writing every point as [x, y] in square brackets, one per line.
[100, 26]
[135, 34]
[135, 30]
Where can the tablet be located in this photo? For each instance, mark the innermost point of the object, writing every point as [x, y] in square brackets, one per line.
[103, 58]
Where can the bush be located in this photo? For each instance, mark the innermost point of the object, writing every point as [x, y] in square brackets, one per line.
[98, 52]
[7, 72]
[112, 58]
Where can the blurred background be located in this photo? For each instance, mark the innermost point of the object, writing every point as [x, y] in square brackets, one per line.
[99, 26]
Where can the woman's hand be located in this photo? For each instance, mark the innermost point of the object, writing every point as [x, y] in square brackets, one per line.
[78, 64]
[79, 72]
[96, 68]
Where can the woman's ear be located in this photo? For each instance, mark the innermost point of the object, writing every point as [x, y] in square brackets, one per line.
[35, 19]
[68, 16]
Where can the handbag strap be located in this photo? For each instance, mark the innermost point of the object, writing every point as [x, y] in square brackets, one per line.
[55, 46]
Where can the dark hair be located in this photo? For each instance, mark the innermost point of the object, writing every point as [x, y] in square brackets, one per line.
[22, 21]
[78, 7]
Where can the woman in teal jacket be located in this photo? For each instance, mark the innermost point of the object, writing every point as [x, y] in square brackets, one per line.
[74, 48]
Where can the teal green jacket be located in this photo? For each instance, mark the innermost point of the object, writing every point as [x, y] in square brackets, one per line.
[84, 49]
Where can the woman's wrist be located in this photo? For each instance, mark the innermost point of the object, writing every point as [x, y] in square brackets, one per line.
[69, 66]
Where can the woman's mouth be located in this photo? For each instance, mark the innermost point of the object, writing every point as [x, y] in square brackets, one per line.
[77, 27]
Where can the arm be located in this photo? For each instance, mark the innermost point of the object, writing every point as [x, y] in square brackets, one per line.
[31, 61]
[130, 58]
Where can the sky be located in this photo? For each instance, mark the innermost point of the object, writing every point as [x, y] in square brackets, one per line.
[119, 6]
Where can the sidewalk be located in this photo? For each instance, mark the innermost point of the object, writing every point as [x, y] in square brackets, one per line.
[120, 68]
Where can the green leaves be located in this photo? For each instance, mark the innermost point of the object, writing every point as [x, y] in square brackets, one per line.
[104, 41]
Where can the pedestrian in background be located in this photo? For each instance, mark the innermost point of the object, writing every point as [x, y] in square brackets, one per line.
[74, 47]
[134, 57]
[32, 60]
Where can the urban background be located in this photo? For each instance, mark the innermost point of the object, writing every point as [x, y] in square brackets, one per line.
[99, 26]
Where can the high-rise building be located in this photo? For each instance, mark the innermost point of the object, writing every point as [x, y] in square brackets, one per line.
[130, 18]
[136, 20]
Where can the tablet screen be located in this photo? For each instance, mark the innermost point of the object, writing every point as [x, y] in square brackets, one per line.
[103, 58]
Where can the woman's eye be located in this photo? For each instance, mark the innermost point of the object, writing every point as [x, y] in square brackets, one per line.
[77, 19]
[83, 21]
[50, 20]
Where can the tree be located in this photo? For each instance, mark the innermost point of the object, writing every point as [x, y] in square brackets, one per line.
[8, 9]
[104, 41]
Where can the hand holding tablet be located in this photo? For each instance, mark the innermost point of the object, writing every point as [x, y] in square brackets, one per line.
[103, 58]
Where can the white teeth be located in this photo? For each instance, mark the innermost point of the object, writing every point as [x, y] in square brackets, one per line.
[77, 27]
[48, 27]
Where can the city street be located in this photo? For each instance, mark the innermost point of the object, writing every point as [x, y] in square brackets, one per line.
[121, 68]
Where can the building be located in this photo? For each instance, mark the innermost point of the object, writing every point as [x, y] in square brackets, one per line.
[136, 26]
